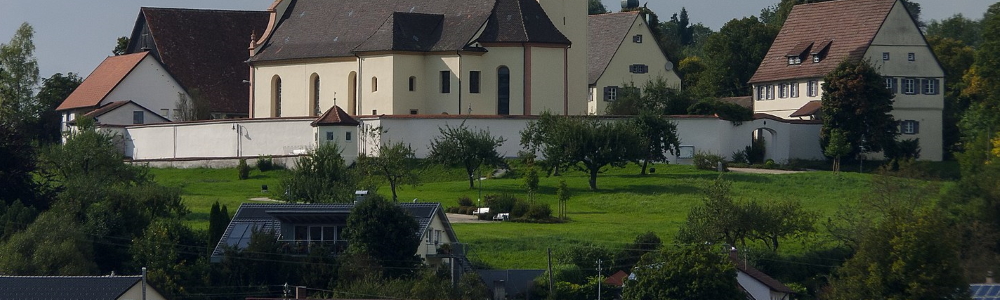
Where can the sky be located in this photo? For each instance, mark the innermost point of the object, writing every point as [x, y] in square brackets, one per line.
[75, 36]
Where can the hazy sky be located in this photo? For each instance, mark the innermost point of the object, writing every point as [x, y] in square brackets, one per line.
[76, 35]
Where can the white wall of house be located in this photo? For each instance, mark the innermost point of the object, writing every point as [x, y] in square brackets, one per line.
[758, 290]
[124, 115]
[570, 17]
[149, 85]
[135, 293]
[630, 53]
[346, 138]
[336, 85]
[768, 97]
[434, 237]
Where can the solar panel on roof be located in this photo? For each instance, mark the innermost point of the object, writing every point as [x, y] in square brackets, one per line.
[985, 291]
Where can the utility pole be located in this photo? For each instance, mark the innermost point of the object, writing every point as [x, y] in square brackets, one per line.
[600, 282]
[550, 273]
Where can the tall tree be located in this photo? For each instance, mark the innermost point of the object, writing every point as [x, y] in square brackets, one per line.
[684, 272]
[956, 27]
[121, 46]
[19, 75]
[467, 148]
[733, 55]
[856, 102]
[658, 136]
[394, 162]
[386, 232]
[54, 90]
[595, 7]
[17, 166]
[956, 59]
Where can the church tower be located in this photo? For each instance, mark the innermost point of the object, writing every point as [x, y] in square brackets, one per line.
[570, 17]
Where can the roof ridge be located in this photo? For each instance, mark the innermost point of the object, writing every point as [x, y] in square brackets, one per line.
[200, 9]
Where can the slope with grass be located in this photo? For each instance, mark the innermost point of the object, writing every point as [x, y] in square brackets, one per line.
[626, 205]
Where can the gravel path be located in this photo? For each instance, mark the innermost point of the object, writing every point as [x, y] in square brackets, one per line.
[762, 171]
[462, 218]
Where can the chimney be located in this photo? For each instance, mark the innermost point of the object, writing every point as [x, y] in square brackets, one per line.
[300, 292]
[989, 277]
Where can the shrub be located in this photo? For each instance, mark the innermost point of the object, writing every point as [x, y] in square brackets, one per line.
[539, 211]
[243, 169]
[500, 203]
[769, 164]
[465, 201]
[520, 209]
[265, 163]
[708, 161]
[740, 157]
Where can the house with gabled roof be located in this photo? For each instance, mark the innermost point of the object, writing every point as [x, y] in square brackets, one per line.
[137, 78]
[622, 50]
[77, 288]
[817, 37]
[420, 57]
[204, 49]
[756, 284]
[301, 226]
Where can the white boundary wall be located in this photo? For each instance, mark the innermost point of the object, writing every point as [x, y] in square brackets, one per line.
[228, 139]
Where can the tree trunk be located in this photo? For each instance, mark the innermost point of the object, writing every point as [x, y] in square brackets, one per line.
[593, 179]
[644, 163]
[392, 185]
[472, 182]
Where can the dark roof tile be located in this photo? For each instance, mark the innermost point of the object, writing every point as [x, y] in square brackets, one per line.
[322, 28]
[521, 21]
[848, 25]
[66, 287]
[810, 108]
[206, 51]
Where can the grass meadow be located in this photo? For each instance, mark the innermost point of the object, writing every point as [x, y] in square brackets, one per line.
[627, 204]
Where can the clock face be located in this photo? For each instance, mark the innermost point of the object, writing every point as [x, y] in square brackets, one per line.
[668, 66]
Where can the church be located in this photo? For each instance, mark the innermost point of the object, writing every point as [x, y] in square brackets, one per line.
[420, 57]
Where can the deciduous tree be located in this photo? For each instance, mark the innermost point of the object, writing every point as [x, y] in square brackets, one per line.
[684, 272]
[394, 162]
[733, 55]
[856, 102]
[321, 176]
[837, 147]
[595, 7]
[54, 90]
[19, 76]
[467, 148]
[386, 232]
[588, 144]
[659, 137]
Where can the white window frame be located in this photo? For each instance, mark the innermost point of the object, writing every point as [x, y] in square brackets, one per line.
[812, 89]
[793, 90]
[911, 56]
[909, 86]
[770, 92]
[885, 55]
[930, 86]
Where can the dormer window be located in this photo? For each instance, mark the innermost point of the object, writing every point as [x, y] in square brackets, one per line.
[795, 56]
[820, 51]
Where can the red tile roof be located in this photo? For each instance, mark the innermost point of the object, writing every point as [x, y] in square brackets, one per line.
[335, 116]
[102, 81]
[846, 26]
[205, 50]
[810, 108]
[605, 33]
[617, 279]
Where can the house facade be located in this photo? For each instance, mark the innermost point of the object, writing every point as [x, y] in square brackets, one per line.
[507, 57]
[138, 79]
[622, 50]
[300, 227]
[816, 37]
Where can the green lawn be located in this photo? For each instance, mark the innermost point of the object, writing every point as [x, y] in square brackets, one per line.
[626, 204]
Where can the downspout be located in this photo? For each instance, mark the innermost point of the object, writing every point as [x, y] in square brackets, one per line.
[357, 87]
[565, 79]
[252, 47]
[459, 53]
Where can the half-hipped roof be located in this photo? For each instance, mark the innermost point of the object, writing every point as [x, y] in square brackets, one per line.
[322, 28]
[605, 34]
[205, 50]
[843, 28]
[102, 81]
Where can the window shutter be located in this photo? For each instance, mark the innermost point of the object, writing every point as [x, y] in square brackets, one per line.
[923, 86]
[916, 127]
[895, 85]
[937, 86]
[607, 93]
